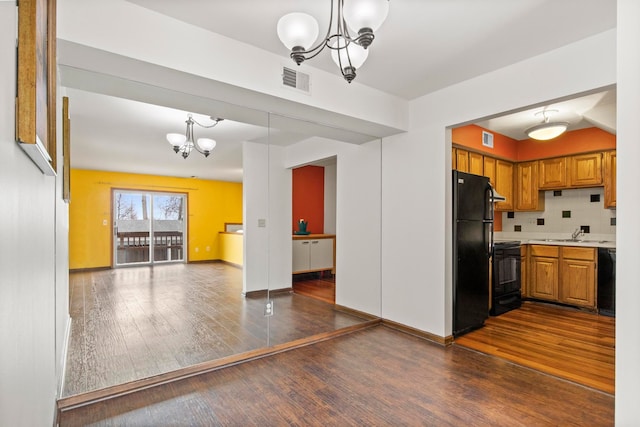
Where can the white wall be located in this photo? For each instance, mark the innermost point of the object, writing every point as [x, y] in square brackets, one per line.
[255, 206]
[29, 340]
[628, 268]
[266, 195]
[416, 170]
[358, 209]
[330, 177]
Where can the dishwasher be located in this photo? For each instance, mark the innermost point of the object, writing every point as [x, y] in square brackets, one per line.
[607, 281]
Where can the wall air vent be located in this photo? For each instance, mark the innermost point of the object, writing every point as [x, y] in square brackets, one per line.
[487, 139]
[295, 79]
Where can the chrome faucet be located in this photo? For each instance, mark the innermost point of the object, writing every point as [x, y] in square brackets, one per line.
[577, 233]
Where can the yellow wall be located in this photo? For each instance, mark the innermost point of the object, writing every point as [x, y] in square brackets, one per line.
[209, 205]
[231, 245]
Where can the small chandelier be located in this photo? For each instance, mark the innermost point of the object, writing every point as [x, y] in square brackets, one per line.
[184, 144]
[546, 130]
[298, 32]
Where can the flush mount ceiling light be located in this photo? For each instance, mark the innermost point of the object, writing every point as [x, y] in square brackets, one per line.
[546, 130]
[184, 143]
[298, 31]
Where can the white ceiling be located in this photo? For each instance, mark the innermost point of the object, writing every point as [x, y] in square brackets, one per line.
[423, 46]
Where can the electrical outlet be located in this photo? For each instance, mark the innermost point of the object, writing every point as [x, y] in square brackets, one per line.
[197, 249]
[268, 308]
[262, 222]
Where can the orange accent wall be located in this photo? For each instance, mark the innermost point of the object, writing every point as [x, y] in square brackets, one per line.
[308, 198]
[572, 142]
[471, 136]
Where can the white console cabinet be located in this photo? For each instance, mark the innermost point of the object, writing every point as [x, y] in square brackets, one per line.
[313, 253]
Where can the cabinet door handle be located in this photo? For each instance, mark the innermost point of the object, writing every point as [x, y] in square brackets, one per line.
[305, 242]
[315, 242]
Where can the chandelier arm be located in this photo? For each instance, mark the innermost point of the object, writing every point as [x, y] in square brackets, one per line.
[207, 126]
[342, 29]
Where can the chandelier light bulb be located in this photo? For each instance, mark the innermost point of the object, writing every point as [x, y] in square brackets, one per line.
[176, 139]
[206, 144]
[369, 14]
[297, 30]
[353, 54]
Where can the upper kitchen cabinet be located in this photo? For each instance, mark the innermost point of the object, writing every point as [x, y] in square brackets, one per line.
[552, 173]
[489, 169]
[610, 179]
[462, 160]
[585, 170]
[504, 184]
[527, 193]
[476, 166]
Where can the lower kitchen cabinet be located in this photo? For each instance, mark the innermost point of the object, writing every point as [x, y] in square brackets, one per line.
[311, 254]
[543, 272]
[578, 276]
[565, 274]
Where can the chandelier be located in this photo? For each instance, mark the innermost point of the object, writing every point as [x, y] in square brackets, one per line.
[546, 130]
[298, 31]
[184, 143]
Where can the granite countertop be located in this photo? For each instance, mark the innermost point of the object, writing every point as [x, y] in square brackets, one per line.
[553, 241]
[561, 242]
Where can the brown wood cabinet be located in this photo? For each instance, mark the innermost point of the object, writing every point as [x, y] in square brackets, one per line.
[527, 193]
[578, 276]
[543, 272]
[610, 180]
[565, 274]
[499, 172]
[504, 184]
[462, 160]
[476, 166]
[585, 170]
[552, 173]
[489, 169]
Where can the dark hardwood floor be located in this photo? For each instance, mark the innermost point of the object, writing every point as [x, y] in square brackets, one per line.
[374, 377]
[320, 286]
[572, 344]
[136, 322]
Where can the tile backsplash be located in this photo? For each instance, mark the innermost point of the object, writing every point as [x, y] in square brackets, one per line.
[564, 212]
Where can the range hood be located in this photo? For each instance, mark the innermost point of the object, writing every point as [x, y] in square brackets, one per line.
[496, 197]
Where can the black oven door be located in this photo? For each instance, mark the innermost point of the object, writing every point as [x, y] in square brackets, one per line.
[506, 294]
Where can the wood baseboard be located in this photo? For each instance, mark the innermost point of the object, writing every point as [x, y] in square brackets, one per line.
[83, 270]
[262, 293]
[85, 399]
[357, 313]
[444, 341]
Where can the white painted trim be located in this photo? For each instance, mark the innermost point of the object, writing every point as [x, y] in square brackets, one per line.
[63, 356]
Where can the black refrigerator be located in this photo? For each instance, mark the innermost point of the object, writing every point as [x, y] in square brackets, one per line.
[472, 245]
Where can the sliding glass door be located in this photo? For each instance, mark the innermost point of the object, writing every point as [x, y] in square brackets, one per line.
[149, 227]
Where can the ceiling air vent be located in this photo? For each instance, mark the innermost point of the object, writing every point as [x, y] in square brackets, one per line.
[295, 79]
